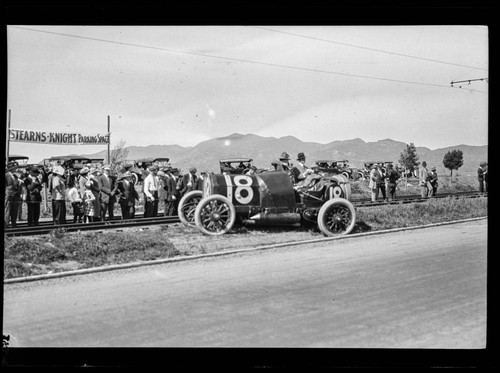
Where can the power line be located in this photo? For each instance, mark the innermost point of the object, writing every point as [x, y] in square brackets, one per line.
[367, 48]
[239, 60]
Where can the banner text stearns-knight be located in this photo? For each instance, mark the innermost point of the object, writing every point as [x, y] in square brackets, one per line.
[59, 138]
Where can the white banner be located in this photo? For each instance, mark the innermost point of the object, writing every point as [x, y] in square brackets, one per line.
[58, 138]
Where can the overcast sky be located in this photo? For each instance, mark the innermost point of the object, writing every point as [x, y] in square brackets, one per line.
[184, 85]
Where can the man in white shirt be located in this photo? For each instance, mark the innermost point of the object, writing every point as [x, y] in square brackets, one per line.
[423, 178]
[151, 193]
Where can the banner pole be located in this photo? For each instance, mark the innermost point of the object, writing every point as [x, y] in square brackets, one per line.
[7, 140]
[109, 142]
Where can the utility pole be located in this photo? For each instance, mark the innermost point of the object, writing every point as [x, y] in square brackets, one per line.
[7, 139]
[109, 142]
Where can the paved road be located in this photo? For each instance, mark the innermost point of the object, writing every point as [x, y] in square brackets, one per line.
[420, 288]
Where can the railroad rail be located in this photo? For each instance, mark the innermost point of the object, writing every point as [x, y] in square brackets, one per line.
[48, 226]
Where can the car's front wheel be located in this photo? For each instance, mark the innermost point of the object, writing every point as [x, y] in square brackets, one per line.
[215, 215]
[187, 206]
[336, 216]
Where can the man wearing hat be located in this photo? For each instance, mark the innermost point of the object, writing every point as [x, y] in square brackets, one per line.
[151, 193]
[12, 195]
[126, 195]
[392, 181]
[173, 194]
[300, 171]
[189, 181]
[433, 182]
[92, 181]
[482, 177]
[58, 196]
[34, 188]
[423, 178]
[375, 181]
[106, 187]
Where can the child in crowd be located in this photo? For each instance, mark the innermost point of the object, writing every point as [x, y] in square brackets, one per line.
[76, 202]
[89, 199]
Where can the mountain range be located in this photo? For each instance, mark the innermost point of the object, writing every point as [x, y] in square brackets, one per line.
[263, 150]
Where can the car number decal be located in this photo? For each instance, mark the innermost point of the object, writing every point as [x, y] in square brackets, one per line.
[243, 192]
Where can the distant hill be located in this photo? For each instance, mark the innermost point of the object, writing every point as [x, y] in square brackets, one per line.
[263, 150]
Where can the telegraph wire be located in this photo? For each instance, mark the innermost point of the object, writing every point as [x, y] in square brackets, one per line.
[368, 48]
[240, 60]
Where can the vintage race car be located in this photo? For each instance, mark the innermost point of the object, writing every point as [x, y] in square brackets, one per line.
[269, 198]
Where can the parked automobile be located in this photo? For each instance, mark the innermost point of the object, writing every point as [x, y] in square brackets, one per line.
[332, 167]
[235, 166]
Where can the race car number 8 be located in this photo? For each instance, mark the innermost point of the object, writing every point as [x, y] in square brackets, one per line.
[243, 192]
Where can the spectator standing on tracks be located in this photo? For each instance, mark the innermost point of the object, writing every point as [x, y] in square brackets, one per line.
[21, 177]
[485, 177]
[173, 194]
[76, 200]
[94, 188]
[375, 177]
[188, 182]
[481, 173]
[106, 188]
[89, 200]
[300, 171]
[423, 178]
[151, 193]
[33, 184]
[112, 197]
[12, 191]
[162, 189]
[433, 182]
[381, 182]
[83, 177]
[126, 195]
[392, 181]
[59, 196]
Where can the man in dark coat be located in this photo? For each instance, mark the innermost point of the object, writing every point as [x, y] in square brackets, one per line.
[189, 182]
[105, 186]
[34, 188]
[12, 195]
[126, 195]
[173, 194]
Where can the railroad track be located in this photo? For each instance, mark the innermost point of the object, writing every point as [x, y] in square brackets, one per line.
[47, 226]
[366, 202]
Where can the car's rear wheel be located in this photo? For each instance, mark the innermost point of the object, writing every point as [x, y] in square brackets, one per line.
[336, 216]
[215, 215]
[187, 206]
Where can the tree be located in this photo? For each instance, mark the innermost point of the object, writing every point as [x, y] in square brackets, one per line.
[409, 158]
[118, 155]
[453, 160]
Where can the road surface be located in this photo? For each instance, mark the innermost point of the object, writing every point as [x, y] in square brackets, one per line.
[422, 288]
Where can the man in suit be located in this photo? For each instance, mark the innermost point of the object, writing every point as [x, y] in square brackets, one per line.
[33, 184]
[173, 195]
[12, 192]
[189, 181]
[300, 171]
[104, 182]
[373, 184]
[126, 195]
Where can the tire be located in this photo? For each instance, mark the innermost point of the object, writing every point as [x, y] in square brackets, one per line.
[187, 206]
[215, 215]
[337, 216]
[346, 174]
